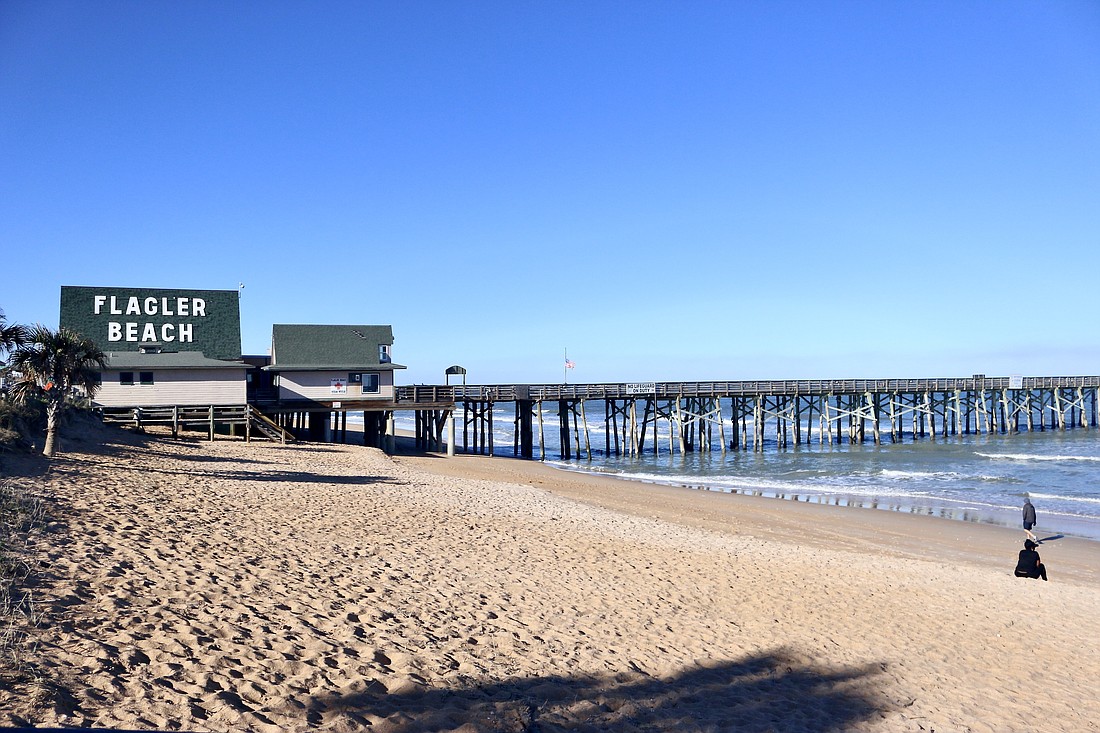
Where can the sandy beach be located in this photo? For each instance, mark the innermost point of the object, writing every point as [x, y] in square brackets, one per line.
[189, 585]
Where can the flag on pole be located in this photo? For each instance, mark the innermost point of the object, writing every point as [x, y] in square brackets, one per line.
[569, 364]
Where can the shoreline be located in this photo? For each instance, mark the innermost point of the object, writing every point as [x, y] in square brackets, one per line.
[1075, 526]
[901, 534]
[1080, 527]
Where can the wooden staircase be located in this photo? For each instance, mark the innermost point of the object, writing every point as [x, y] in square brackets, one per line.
[267, 427]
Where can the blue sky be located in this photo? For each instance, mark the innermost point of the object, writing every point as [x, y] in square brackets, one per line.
[670, 191]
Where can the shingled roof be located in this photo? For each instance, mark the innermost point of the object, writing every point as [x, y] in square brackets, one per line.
[168, 360]
[308, 347]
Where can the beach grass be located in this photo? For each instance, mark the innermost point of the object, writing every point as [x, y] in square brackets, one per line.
[20, 514]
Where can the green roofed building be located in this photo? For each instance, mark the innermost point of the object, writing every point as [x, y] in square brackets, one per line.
[174, 358]
[333, 363]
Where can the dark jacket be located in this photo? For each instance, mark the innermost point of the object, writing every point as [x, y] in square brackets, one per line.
[1028, 563]
[1029, 512]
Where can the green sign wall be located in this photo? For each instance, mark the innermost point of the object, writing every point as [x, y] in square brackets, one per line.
[128, 319]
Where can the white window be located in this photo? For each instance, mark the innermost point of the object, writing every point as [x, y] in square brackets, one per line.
[367, 380]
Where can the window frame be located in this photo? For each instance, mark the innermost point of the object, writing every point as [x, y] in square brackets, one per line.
[368, 382]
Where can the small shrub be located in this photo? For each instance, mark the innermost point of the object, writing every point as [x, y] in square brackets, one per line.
[20, 423]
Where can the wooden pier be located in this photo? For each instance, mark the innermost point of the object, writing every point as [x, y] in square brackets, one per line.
[743, 415]
[696, 416]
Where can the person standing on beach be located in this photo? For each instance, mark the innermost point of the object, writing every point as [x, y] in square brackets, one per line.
[1029, 517]
[1030, 565]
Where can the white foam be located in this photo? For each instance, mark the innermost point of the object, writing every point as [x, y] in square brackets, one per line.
[1033, 457]
[1064, 497]
[899, 474]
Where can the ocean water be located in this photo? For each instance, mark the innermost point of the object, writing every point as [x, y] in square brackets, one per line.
[972, 478]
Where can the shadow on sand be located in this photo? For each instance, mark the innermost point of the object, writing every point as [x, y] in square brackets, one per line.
[768, 692]
[71, 464]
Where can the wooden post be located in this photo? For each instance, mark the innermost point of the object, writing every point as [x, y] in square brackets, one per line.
[563, 429]
[680, 424]
[759, 421]
[465, 427]
[721, 423]
[542, 435]
[893, 417]
[671, 429]
[873, 399]
[587, 437]
[608, 411]
[450, 416]
[989, 404]
[809, 419]
[756, 423]
[515, 430]
[839, 418]
[796, 424]
[735, 424]
[647, 412]
[781, 421]
[490, 408]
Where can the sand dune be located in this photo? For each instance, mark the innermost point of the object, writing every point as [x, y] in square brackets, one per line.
[224, 587]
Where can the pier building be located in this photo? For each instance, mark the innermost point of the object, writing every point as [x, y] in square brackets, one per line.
[174, 358]
[321, 372]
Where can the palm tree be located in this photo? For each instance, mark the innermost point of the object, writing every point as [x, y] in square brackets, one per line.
[52, 363]
[11, 336]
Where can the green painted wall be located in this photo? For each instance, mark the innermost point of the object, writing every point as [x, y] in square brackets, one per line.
[125, 319]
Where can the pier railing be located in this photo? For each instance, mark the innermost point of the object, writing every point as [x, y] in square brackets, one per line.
[741, 388]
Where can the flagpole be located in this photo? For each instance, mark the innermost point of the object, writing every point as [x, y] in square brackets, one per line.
[565, 366]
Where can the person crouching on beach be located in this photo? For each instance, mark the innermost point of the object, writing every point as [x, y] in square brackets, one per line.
[1029, 564]
[1029, 518]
